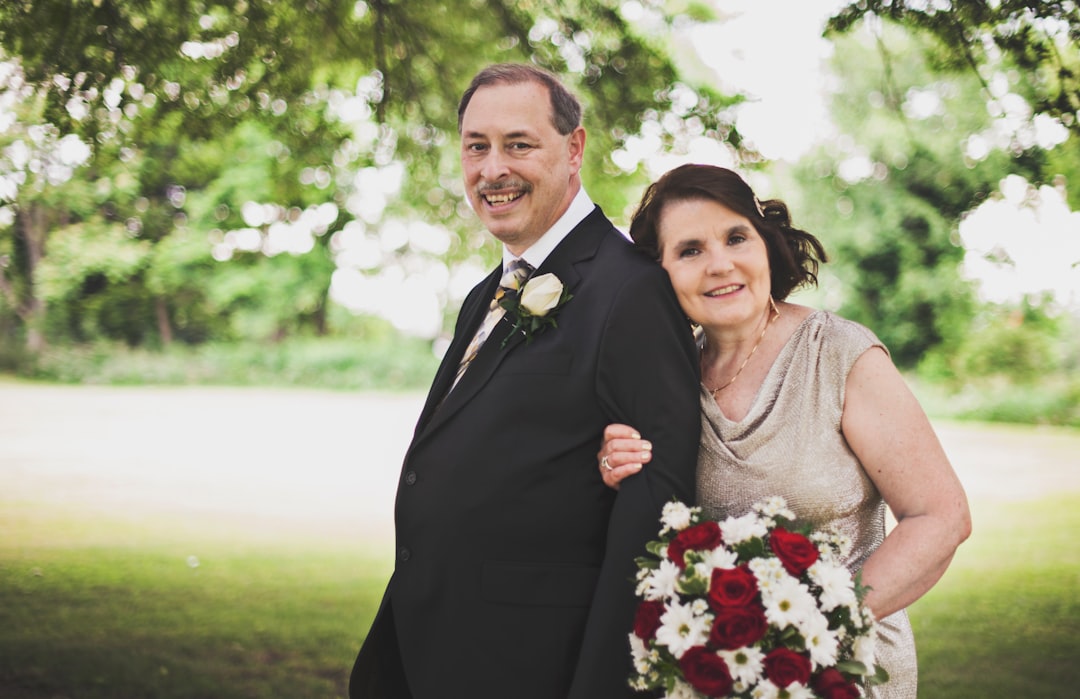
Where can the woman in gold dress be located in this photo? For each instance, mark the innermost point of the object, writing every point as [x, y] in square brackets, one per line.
[798, 402]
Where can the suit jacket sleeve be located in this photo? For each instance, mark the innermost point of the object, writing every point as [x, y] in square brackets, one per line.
[648, 378]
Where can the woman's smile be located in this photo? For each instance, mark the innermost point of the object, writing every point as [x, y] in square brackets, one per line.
[723, 291]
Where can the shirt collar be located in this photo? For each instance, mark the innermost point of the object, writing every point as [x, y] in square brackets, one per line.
[580, 207]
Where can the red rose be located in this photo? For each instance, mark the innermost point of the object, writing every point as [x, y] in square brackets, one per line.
[706, 671]
[830, 684]
[794, 550]
[735, 627]
[700, 537]
[784, 666]
[647, 619]
[736, 587]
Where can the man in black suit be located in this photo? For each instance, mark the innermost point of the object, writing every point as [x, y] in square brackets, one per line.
[515, 564]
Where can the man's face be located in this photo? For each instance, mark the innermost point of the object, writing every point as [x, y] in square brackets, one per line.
[520, 173]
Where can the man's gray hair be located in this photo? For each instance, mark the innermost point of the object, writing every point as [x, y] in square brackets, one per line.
[565, 108]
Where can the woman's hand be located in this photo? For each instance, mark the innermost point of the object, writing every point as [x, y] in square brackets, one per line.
[622, 454]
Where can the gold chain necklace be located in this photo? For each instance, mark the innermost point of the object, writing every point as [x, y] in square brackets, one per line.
[772, 319]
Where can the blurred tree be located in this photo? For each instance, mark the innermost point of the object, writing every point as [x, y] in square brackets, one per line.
[256, 138]
[887, 191]
[1039, 39]
[934, 104]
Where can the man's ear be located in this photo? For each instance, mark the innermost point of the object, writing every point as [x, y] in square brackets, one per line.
[576, 148]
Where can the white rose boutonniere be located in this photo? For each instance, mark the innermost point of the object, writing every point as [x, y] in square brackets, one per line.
[534, 308]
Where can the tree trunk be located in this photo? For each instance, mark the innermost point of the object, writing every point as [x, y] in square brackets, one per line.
[31, 226]
[163, 323]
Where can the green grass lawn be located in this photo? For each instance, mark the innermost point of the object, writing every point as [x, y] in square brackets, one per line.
[1005, 619]
[99, 605]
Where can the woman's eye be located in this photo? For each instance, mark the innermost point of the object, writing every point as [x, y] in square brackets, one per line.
[689, 252]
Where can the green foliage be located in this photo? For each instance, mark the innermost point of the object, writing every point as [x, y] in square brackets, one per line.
[1052, 399]
[924, 139]
[198, 108]
[180, 271]
[887, 195]
[84, 250]
[1018, 363]
[1055, 403]
[1039, 40]
[366, 363]
[1022, 348]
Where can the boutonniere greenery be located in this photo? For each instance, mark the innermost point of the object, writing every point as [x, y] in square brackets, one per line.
[534, 308]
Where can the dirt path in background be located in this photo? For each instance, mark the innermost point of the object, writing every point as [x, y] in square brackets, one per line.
[324, 460]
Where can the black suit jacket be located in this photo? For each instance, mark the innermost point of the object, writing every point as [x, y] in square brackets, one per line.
[515, 563]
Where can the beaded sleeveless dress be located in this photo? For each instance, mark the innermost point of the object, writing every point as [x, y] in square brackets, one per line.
[790, 444]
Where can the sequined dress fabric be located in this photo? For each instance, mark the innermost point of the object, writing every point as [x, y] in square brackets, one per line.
[790, 444]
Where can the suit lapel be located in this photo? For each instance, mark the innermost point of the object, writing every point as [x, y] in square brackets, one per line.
[471, 317]
[579, 246]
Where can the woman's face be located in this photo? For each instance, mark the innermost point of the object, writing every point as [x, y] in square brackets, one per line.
[717, 261]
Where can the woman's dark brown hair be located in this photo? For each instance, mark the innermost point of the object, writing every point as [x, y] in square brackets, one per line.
[794, 255]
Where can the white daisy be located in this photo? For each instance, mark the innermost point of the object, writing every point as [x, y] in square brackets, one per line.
[837, 587]
[798, 691]
[787, 602]
[739, 529]
[775, 506]
[768, 571]
[862, 617]
[676, 515]
[766, 690]
[865, 650]
[699, 606]
[832, 545]
[681, 629]
[660, 583]
[718, 558]
[640, 655]
[681, 690]
[745, 664]
[822, 643]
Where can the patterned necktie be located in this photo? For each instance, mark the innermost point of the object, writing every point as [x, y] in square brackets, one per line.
[512, 280]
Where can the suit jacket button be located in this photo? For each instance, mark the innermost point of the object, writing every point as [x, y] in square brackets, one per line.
[404, 554]
[410, 478]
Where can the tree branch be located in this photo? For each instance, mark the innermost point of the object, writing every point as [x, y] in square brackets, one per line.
[380, 60]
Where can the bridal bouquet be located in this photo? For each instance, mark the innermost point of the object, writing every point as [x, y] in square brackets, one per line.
[752, 607]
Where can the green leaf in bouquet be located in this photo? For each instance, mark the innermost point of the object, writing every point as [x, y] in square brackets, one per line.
[692, 584]
[852, 667]
[860, 589]
[647, 562]
[841, 616]
[791, 638]
[750, 549]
